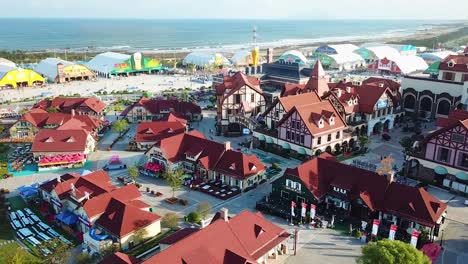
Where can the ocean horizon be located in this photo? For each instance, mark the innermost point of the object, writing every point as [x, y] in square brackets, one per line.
[175, 35]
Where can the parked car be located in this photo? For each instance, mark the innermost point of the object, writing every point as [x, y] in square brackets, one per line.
[110, 167]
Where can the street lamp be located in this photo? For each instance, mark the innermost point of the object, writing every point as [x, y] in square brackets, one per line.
[442, 238]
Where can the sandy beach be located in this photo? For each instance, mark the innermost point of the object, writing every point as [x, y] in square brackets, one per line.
[152, 83]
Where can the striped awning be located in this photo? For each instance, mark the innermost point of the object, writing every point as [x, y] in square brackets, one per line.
[286, 146]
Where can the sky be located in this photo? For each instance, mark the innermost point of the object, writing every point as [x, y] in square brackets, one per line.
[240, 9]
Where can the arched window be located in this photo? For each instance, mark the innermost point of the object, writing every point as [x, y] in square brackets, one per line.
[443, 108]
[426, 104]
[410, 101]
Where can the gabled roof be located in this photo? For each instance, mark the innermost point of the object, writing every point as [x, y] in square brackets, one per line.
[122, 218]
[65, 104]
[225, 242]
[155, 131]
[369, 95]
[180, 108]
[289, 102]
[239, 165]
[179, 235]
[174, 117]
[232, 84]
[322, 173]
[49, 185]
[40, 118]
[310, 114]
[49, 140]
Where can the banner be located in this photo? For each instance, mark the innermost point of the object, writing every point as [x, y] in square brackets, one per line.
[312, 211]
[414, 238]
[393, 229]
[293, 204]
[303, 210]
[375, 227]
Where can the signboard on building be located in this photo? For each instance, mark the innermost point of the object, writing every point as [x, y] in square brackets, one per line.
[375, 227]
[382, 103]
[393, 229]
[384, 64]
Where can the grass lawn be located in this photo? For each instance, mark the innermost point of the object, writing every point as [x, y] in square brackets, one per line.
[7, 252]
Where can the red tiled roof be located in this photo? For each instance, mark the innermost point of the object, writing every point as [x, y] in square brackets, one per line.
[292, 89]
[174, 117]
[155, 131]
[413, 203]
[233, 83]
[120, 258]
[323, 173]
[97, 205]
[41, 119]
[122, 218]
[393, 85]
[49, 186]
[239, 165]
[297, 100]
[369, 95]
[242, 239]
[65, 104]
[311, 114]
[317, 81]
[49, 140]
[453, 118]
[156, 106]
[460, 63]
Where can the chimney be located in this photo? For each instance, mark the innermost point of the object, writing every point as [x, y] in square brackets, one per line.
[227, 145]
[391, 176]
[224, 214]
[73, 112]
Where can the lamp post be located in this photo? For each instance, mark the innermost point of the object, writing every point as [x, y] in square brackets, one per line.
[442, 238]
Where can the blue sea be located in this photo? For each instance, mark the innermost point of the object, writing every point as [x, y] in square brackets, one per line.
[179, 35]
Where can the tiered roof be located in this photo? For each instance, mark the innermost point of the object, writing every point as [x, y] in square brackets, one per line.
[155, 131]
[49, 140]
[66, 104]
[179, 108]
[40, 118]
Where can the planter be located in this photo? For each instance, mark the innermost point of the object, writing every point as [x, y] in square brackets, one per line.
[171, 200]
[183, 202]
[148, 190]
[158, 194]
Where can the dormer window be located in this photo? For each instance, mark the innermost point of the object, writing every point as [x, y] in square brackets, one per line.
[355, 101]
[331, 120]
[450, 64]
[233, 166]
[49, 140]
[320, 123]
[70, 140]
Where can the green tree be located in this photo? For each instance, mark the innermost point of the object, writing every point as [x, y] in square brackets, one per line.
[83, 258]
[174, 179]
[52, 110]
[146, 94]
[363, 142]
[23, 111]
[59, 249]
[139, 236]
[109, 250]
[2, 128]
[407, 145]
[391, 252]
[120, 126]
[19, 257]
[118, 108]
[204, 209]
[133, 172]
[193, 217]
[170, 220]
[213, 100]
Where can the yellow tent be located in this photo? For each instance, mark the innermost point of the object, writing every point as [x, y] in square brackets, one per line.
[14, 77]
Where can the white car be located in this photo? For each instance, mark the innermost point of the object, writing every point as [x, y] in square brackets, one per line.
[20, 214]
[13, 216]
[28, 211]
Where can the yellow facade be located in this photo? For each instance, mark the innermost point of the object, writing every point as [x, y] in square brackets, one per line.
[255, 53]
[18, 76]
[77, 70]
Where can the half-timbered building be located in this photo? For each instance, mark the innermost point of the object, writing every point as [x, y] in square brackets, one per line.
[353, 193]
[91, 106]
[443, 157]
[307, 129]
[239, 101]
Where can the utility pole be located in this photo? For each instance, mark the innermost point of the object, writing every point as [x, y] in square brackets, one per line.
[296, 234]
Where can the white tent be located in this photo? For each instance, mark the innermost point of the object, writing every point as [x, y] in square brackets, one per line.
[8, 63]
[437, 56]
[205, 59]
[344, 48]
[104, 63]
[381, 52]
[294, 56]
[410, 63]
[242, 57]
[48, 67]
[347, 61]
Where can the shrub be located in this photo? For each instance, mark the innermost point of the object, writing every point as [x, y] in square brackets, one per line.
[193, 217]
[275, 166]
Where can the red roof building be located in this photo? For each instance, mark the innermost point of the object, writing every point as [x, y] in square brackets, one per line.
[361, 193]
[120, 258]
[244, 238]
[82, 106]
[239, 98]
[318, 83]
[453, 118]
[62, 142]
[154, 109]
[208, 160]
[150, 133]
[99, 205]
